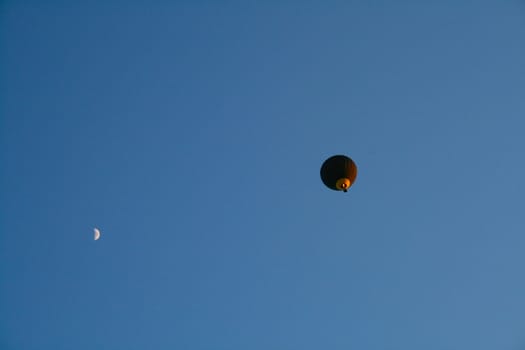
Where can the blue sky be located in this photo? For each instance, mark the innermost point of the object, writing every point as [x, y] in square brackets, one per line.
[191, 133]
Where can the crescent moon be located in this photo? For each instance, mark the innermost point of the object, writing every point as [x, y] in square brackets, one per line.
[96, 233]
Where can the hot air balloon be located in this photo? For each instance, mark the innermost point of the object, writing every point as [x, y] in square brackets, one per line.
[338, 173]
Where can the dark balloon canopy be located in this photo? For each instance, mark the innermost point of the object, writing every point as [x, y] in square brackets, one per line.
[338, 173]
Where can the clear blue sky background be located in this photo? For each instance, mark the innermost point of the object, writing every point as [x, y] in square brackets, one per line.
[192, 133]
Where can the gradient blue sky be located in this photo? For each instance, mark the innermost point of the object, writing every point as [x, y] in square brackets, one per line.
[192, 133]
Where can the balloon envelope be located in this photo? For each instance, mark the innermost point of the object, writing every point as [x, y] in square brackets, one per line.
[338, 173]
